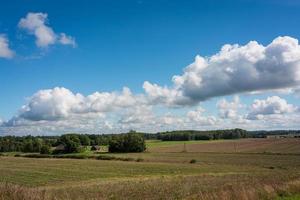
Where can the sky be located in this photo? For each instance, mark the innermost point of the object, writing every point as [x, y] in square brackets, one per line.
[113, 66]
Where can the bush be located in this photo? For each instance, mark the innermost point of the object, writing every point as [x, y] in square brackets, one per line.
[102, 157]
[76, 156]
[193, 161]
[130, 142]
[139, 160]
[36, 156]
[126, 159]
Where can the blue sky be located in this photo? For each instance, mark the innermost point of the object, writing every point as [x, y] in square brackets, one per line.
[125, 43]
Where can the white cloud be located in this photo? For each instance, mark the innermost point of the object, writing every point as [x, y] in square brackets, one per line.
[235, 69]
[138, 114]
[252, 68]
[271, 105]
[157, 94]
[229, 110]
[59, 103]
[5, 51]
[198, 117]
[37, 24]
[171, 120]
[105, 101]
[51, 104]
[67, 40]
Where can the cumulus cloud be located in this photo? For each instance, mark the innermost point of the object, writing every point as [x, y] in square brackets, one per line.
[59, 103]
[67, 40]
[235, 69]
[5, 51]
[37, 24]
[199, 117]
[252, 68]
[51, 104]
[138, 114]
[229, 110]
[108, 101]
[271, 105]
[157, 94]
[171, 120]
[60, 110]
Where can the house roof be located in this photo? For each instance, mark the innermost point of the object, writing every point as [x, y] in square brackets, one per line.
[60, 147]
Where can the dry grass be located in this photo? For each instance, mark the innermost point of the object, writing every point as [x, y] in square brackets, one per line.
[186, 187]
[288, 145]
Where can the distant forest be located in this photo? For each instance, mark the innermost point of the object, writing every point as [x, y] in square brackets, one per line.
[77, 142]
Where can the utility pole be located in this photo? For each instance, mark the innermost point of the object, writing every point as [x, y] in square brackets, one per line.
[184, 147]
[235, 147]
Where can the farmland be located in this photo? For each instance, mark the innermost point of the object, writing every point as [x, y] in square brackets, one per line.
[288, 145]
[223, 169]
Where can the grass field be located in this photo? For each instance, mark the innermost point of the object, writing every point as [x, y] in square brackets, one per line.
[225, 169]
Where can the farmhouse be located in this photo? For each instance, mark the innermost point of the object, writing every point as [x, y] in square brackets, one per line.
[60, 148]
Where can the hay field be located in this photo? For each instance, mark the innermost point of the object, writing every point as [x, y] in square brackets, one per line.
[270, 171]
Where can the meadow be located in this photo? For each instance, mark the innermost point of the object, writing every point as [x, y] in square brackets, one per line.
[220, 169]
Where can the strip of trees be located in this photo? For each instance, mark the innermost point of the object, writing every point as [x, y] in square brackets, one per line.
[72, 143]
[24, 144]
[203, 135]
[129, 142]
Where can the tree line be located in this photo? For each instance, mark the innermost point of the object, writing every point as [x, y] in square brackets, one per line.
[126, 142]
[203, 135]
[185, 135]
[72, 143]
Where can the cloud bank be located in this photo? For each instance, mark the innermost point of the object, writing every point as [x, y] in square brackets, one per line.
[235, 70]
[59, 103]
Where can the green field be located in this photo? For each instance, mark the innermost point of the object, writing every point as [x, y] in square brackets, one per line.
[226, 169]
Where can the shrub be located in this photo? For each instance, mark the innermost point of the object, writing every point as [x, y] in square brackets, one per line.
[36, 156]
[76, 156]
[139, 160]
[101, 157]
[193, 161]
[126, 159]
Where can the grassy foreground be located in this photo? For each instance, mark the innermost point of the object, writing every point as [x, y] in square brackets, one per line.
[269, 172]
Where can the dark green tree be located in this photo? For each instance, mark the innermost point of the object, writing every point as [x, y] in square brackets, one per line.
[84, 140]
[45, 149]
[130, 142]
